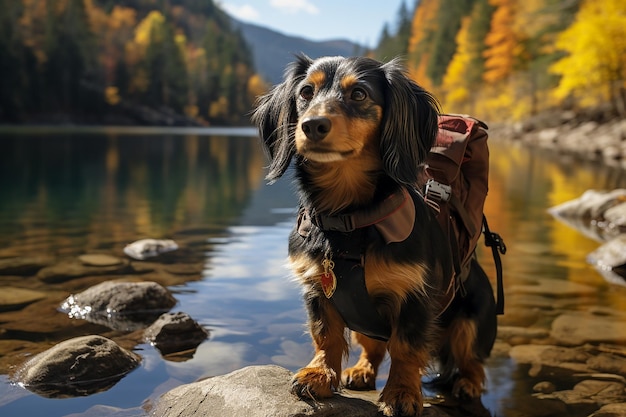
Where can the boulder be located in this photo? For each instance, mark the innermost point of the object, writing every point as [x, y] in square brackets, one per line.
[175, 332]
[611, 410]
[120, 305]
[76, 367]
[596, 213]
[261, 391]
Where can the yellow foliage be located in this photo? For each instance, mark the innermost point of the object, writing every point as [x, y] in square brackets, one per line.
[111, 95]
[502, 43]
[455, 80]
[596, 47]
[145, 28]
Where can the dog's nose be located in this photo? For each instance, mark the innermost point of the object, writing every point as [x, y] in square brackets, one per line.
[316, 128]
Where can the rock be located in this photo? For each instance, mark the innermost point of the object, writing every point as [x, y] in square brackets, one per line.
[611, 410]
[147, 248]
[590, 393]
[577, 328]
[610, 363]
[22, 266]
[99, 259]
[261, 391]
[76, 367]
[544, 387]
[587, 213]
[553, 287]
[610, 259]
[12, 298]
[74, 268]
[120, 305]
[175, 332]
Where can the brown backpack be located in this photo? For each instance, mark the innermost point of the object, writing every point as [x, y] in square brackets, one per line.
[455, 183]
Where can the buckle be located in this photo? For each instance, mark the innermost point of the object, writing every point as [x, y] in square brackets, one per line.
[437, 191]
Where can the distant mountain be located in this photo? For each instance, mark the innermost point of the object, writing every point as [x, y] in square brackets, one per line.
[272, 50]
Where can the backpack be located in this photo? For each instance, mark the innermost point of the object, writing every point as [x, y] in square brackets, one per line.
[455, 182]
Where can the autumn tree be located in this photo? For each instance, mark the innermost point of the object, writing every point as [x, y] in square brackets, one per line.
[501, 41]
[595, 65]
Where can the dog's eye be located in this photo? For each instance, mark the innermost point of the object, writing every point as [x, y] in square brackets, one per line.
[358, 94]
[306, 92]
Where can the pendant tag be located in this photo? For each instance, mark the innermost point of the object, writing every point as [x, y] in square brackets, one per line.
[328, 278]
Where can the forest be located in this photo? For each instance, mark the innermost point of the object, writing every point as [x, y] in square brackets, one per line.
[173, 62]
[181, 62]
[510, 59]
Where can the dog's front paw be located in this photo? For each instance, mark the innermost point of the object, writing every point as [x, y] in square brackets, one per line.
[466, 388]
[360, 378]
[401, 402]
[314, 383]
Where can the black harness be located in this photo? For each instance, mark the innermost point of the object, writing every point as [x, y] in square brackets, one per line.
[343, 281]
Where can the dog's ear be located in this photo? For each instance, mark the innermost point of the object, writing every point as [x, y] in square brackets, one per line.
[276, 116]
[409, 126]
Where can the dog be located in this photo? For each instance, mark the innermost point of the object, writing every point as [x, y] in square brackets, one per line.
[366, 246]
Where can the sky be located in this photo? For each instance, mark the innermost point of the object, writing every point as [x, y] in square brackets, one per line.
[360, 21]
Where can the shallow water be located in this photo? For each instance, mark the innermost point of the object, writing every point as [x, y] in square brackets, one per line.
[68, 193]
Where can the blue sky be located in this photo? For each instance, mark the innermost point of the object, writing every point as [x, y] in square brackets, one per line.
[357, 20]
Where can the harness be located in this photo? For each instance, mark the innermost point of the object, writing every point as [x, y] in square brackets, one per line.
[343, 279]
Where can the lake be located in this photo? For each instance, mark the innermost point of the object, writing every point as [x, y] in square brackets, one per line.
[66, 193]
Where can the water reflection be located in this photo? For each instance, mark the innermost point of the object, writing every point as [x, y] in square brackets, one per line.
[66, 194]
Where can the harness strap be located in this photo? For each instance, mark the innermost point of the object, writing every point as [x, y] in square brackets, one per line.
[498, 247]
[349, 222]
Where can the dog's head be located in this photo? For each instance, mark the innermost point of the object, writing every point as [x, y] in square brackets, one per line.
[333, 109]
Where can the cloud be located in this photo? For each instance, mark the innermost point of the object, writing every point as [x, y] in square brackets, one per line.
[294, 6]
[243, 12]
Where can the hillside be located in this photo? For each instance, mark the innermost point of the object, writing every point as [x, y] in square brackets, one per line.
[272, 50]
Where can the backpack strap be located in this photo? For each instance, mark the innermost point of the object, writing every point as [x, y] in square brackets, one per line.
[498, 247]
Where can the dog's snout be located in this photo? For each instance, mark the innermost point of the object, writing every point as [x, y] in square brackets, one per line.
[316, 128]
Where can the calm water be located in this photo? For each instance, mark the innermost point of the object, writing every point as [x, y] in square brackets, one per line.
[66, 194]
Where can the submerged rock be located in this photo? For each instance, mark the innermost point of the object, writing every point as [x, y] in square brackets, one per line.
[175, 332]
[22, 266]
[148, 248]
[76, 367]
[120, 305]
[577, 328]
[12, 298]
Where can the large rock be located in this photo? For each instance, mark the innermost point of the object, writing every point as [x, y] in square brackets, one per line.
[120, 305]
[261, 391]
[596, 213]
[76, 367]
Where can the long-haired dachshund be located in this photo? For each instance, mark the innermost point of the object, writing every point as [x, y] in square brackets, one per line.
[366, 247]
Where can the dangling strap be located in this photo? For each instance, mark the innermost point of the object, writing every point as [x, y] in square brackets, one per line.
[498, 247]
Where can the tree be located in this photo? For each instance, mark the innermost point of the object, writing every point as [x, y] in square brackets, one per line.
[595, 65]
[501, 41]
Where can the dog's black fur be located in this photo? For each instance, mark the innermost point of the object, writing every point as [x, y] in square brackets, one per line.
[357, 131]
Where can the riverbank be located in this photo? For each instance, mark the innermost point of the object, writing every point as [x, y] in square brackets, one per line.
[596, 134]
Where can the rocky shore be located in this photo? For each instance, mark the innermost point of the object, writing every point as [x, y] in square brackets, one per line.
[596, 134]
